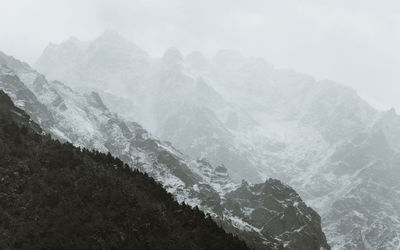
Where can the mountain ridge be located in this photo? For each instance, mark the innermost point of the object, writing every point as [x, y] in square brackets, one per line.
[58, 196]
[280, 124]
[193, 181]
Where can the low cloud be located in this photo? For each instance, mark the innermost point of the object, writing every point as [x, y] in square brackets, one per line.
[353, 42]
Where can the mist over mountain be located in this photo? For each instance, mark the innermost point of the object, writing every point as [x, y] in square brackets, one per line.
[320, 137]
[84, 120]
[162, 95]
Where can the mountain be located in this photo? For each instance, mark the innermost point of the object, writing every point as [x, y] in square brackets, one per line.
[317, 136]
[334, 147]
[84, 120]
[162, 95]
[55, 195]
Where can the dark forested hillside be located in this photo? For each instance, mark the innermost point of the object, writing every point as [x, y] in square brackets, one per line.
[57, 196]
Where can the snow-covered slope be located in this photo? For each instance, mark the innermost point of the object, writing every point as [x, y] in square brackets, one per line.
[163, 95]
[84, 120]
[334, 150]
[317, 136]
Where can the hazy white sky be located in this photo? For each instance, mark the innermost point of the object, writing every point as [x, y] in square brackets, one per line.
[353, 42]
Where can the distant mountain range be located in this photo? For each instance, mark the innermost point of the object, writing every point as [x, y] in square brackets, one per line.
[319, 137]
[337, 151]
[241, 208]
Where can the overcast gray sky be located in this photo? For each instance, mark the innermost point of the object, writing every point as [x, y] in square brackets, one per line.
[353, 42]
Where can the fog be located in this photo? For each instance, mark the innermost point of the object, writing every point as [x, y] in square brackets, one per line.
[352, 42]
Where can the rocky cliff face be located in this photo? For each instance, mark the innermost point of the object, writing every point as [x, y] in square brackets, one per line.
[85, 121]
[276, 209]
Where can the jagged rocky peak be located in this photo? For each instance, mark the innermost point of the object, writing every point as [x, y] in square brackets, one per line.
[276, 209]
[109, 62]
[70, 47]
[276, 187]
[109, 42]
[111, 38]
[112, 47]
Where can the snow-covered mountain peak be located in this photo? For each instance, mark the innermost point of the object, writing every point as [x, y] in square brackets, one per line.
[70, 47]
[119, 60]
[111, 40]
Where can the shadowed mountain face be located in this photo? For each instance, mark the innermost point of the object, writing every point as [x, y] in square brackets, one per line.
[57, 196]
[85, 121]
[317, 136]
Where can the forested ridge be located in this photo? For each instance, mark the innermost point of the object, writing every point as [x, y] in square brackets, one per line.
[57, 196]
